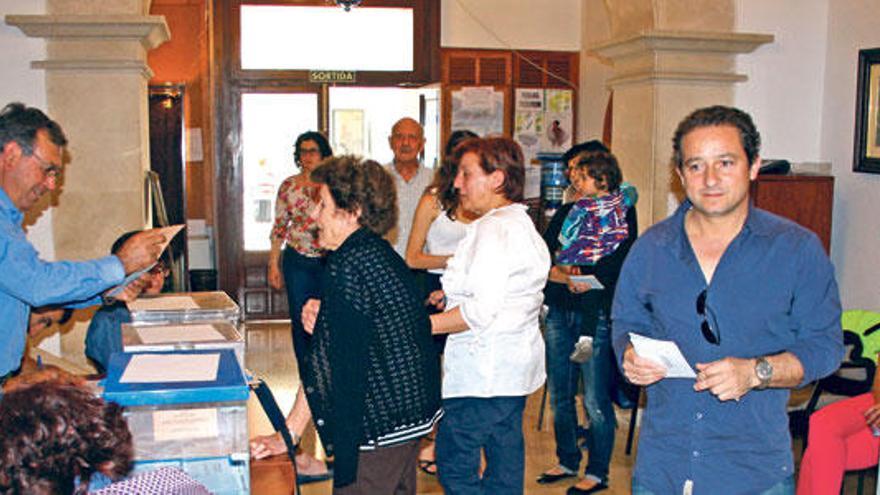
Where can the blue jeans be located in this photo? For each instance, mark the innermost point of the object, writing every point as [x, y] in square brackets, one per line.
[563, 328]
[302, 277]
[493, 425]
[784, 487]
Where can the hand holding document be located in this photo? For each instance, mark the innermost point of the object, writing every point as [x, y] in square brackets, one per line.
[166, 233]
[663, 352]
[590, 280]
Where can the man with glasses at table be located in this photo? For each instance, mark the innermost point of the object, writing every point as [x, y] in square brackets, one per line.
[750, 299]
[31, 147]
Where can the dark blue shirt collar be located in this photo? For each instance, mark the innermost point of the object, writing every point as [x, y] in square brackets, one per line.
[676, 237]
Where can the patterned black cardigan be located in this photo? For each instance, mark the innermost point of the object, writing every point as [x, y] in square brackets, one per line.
[372, 369]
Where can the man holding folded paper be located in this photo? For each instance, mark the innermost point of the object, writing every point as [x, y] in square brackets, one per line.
[31, 146]
[750, 301]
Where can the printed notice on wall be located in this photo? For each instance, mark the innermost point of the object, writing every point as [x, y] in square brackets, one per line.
[528, 125]
[558, 120]
[543, 121]
[184, 424]
[479, 109]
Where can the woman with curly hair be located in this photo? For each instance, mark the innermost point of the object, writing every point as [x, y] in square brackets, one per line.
[371, 375]
[299, 265]
[56, 435]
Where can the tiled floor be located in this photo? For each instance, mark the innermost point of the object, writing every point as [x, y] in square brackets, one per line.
[270, 356]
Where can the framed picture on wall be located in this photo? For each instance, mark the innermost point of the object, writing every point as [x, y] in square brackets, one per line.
[866, 157]
[348, 131]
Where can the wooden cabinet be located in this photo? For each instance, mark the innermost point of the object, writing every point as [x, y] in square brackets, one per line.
[806, 199]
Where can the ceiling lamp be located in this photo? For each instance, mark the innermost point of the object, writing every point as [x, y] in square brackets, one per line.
[348, 4]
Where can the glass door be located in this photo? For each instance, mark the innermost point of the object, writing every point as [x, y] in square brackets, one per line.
[270, 124]
[265, 95]
[361, 119]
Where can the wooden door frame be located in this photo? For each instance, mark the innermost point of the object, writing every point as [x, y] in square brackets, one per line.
[229, 82]
[234, 259]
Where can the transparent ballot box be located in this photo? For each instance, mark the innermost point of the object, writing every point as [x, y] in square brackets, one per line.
[193, 335]
[186, 409]
[184, 307]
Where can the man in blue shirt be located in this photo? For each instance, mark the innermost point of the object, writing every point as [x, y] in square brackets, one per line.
[750, 299]
[30, 166]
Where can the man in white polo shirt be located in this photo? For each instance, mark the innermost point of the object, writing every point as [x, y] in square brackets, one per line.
[407, 140]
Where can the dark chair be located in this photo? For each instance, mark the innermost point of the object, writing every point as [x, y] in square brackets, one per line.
[633, 418]
[854, 377]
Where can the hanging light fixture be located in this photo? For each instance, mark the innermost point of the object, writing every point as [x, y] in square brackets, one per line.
[348, 4]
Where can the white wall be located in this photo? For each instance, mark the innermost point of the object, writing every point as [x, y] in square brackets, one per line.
[801, 91]
[594, 72]
[852, 25]
[505, 24]
[21, 83]
[785, 86]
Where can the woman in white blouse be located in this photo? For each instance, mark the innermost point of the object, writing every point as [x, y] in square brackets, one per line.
[495, 354]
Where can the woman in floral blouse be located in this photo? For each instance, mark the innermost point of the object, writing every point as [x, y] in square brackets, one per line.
[295, 229]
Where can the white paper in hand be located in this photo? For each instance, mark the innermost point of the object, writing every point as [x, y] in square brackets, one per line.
[664, 352]
[590, 280]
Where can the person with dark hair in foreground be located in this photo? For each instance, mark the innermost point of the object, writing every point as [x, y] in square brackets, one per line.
[494, 356]
[56, 435]
[59, 439]
[750, 300]
[371, 375]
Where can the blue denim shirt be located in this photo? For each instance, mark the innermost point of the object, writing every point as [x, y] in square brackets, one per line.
[104, 336]
[772, 291]
[26, 281]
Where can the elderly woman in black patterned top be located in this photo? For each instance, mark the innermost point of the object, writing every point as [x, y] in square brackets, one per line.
[371, 375]
[299, 264]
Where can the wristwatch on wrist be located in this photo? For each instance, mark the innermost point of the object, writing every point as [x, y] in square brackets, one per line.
[764, 372]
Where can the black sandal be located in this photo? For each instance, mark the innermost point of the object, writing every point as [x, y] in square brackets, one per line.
[428, 467]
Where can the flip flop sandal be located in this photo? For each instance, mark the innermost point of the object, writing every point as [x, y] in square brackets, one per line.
[428, 467]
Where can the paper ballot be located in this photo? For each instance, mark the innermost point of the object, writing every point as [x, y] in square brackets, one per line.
[180, 333]
[163, 303]
[664, 352]
[590, 280]
[157, 368]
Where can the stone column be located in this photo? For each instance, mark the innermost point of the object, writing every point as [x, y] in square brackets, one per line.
[663, 68]
[96, 84]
